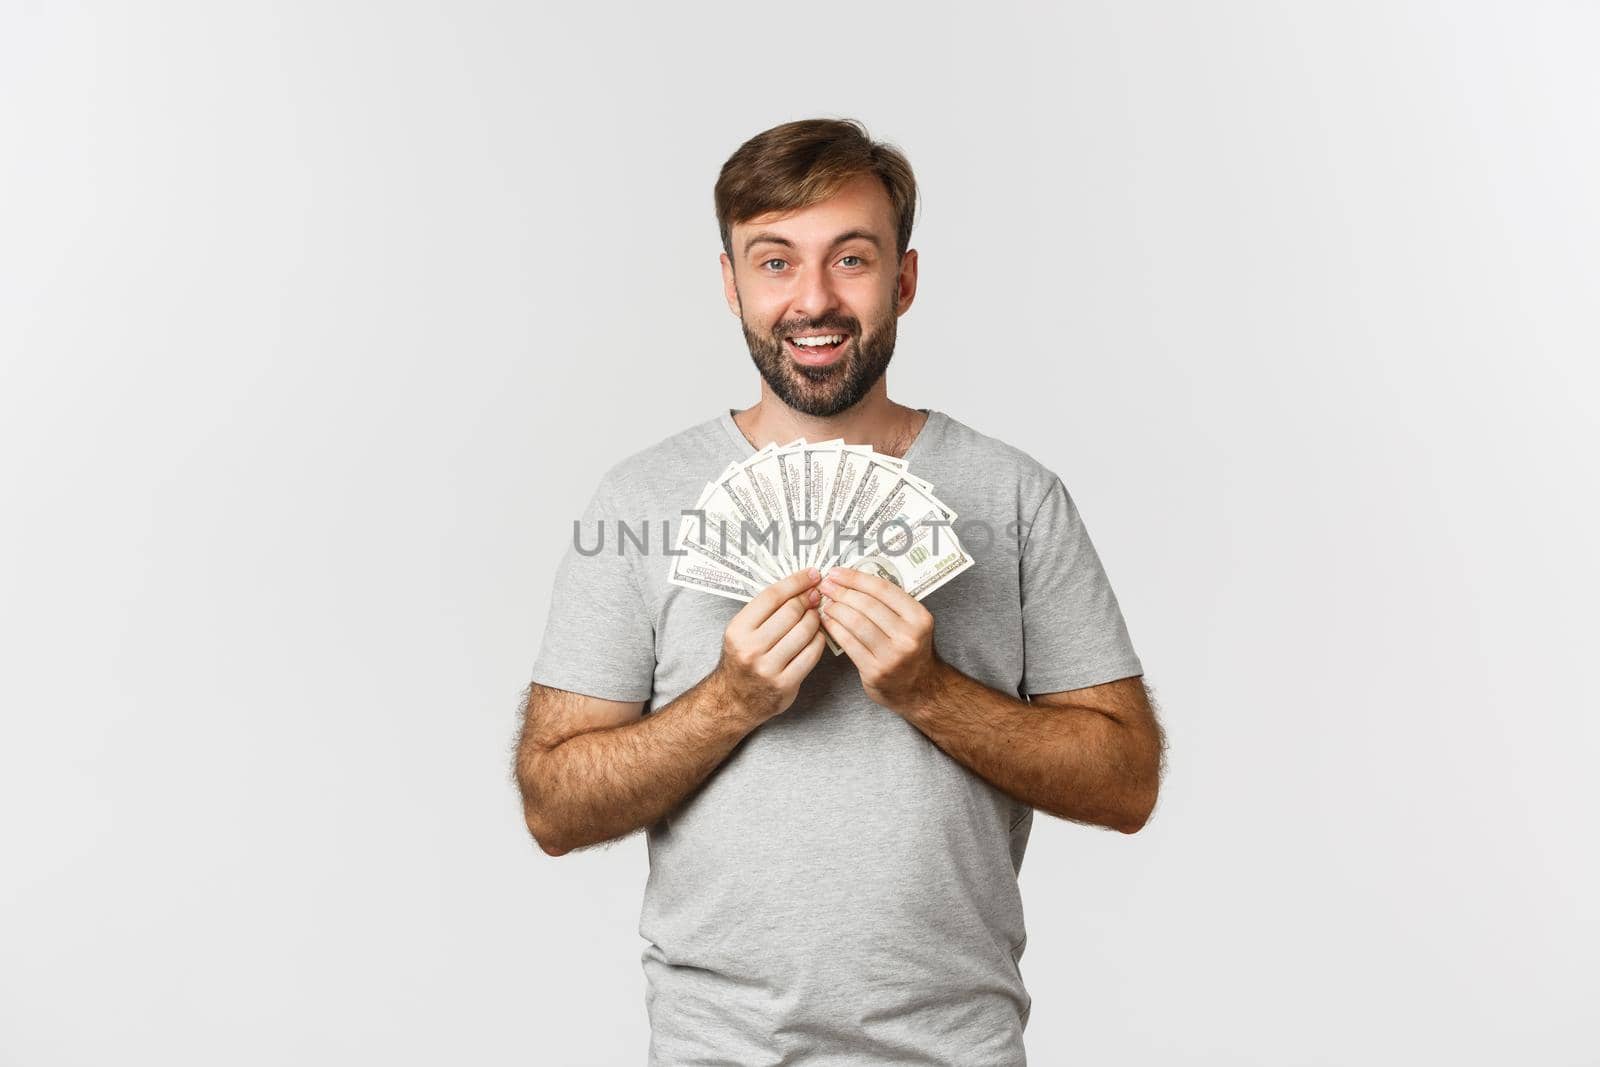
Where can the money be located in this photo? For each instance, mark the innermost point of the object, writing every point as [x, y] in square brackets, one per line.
[823, 504]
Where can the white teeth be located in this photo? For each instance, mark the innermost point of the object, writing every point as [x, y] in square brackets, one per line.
[811, 342]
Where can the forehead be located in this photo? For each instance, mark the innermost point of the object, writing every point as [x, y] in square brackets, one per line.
[860, 204]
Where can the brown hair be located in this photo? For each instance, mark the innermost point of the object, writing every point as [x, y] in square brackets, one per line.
[800, 163]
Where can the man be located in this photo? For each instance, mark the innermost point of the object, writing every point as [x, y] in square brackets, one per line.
[834, 841]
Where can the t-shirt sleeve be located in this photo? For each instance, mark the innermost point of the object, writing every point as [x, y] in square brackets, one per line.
[1073, 632]
[599, 638]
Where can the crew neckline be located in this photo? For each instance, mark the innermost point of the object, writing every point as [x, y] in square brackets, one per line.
[746, 449]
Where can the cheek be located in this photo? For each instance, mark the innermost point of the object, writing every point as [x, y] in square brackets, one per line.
[872, 303]
[759, 318]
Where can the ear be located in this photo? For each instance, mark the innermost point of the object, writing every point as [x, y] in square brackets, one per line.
[906, 285]
[730, 291]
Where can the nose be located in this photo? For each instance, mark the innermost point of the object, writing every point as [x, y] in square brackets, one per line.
[813, 294]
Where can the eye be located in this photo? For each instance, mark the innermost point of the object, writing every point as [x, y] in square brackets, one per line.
[856, 258]
[771, 261]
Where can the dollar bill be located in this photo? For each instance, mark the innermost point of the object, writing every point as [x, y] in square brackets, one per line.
[816, 504]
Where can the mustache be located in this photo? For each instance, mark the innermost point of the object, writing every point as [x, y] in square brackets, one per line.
[839, 326]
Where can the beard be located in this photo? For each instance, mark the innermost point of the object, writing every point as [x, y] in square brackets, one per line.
[823, 391]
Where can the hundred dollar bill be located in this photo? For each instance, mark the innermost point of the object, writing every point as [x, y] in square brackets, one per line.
[725, 519]
[692, 570]
[735, 499]
[862, 486]
[900, 465]
[764, 480]
[821, 465]
[903, 506]
[919, 571]
[848, 467]
[718, 549]
[919, 557]
[816, 504]
[711, 539]
[791, 463]
[695, 570]
[806, 473]
[908, 540]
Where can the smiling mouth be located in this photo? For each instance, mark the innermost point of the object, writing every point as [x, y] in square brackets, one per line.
[816, 350]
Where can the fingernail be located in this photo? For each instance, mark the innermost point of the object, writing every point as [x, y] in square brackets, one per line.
[814, 573]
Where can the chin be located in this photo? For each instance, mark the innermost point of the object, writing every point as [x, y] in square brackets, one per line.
[817, 375]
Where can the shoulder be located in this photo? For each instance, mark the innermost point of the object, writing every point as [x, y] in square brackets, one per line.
[648, 470]
[1000, 461]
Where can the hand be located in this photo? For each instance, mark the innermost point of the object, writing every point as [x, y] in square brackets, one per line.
[886, 633]
[771, 645]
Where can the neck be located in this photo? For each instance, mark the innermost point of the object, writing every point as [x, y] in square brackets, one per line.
[874, 420]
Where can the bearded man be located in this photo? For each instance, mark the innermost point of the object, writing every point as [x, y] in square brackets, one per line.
[834, 840]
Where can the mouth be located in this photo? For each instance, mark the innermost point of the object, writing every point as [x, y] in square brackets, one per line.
[816, 349]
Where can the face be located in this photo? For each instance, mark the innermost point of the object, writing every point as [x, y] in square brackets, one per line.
[827, 271]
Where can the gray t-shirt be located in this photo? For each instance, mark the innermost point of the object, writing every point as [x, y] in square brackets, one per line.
[839, 890]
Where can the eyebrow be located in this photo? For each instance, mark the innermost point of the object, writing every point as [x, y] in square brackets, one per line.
[848, 235]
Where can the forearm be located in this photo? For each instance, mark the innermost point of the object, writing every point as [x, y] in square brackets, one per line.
[608, 782]
[1072, 762]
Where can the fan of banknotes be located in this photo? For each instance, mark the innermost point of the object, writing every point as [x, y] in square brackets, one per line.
[819, 505]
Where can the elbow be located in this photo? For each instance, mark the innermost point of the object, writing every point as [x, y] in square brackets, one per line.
[1139, 811]
[1133, 825]
[543, 835]
[1145, 787]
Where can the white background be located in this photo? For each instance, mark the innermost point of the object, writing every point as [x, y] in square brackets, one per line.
[319, 322]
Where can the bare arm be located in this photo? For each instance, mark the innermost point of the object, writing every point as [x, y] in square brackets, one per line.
[590, 770]
[1093, 755]
[583, 784]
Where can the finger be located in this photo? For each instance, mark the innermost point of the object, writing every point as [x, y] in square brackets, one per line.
[801, 665]
[863, 629]
[770, 599]
[790, 644]
[864, 602]
[784, 619]
[890, 595]
[846, 639]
